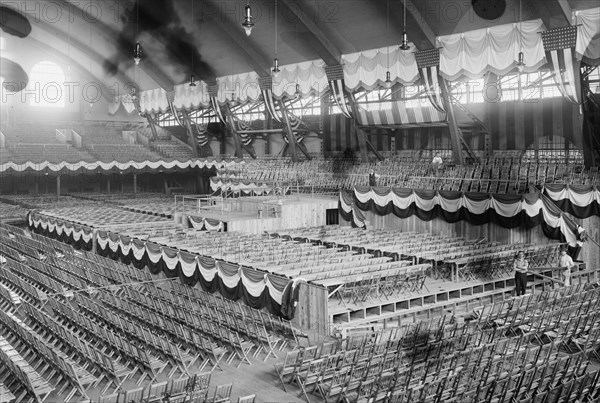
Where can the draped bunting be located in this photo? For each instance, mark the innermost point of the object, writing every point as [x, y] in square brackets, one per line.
[266, 89]
[335, 77]
[428, 62]
[256, 288]
[367, 69]
[243, 87]
[173, 109]
[396, 112]
[246, 188]
[582, 201]
[349, 213]
[241, 126]
[193, 97]
[205, 224]
[559, 45]
[92, 167]
[495, 49]
[154, 101]
[509, 211]
[125, 101]
[309, 76]
[588, 39]
[201, 134]
[213, 93]
[80, 236]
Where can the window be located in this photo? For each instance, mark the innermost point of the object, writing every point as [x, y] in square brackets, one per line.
[47, 85]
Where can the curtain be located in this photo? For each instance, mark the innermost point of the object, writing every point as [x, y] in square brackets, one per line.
[588, 40]
[509, 211]
[242, 87]
[148, 166]
[257, 288]
[309, 76]
[494, 49]
[154, 101]
[367, 69]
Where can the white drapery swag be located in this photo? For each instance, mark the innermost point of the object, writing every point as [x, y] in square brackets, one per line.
[495, 49]
[123, 100]
[578, 199]
[107, 166]
[310, 76]
[239, 187]
[243, 87]
[154, 101]
[202, 223]
[367, 69]
[190, 262]
[473, 206]
[187, 97]
[588, 41]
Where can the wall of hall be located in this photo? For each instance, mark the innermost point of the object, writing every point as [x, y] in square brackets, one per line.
[491, 231]
[512, 125]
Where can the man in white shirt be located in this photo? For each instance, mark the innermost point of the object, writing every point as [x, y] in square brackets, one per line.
[436, 164]
[566, 263]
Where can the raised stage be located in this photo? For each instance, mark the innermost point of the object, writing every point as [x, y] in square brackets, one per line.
[257, 214]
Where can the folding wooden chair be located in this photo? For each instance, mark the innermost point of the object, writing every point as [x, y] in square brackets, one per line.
[222, 394]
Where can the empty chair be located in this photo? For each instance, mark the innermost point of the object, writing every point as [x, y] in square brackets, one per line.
[247, 399]
[222, 394]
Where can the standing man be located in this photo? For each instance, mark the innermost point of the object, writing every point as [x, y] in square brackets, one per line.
[566, 263]
[436, 164]
[520, 265]
[373, 178]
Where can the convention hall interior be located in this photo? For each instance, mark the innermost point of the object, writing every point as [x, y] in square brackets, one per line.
[375, 201]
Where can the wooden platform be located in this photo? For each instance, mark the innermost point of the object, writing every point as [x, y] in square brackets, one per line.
[266, 213]
[439, 297]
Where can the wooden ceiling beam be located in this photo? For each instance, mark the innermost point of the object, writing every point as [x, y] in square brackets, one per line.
[566, 10]
[328, 52]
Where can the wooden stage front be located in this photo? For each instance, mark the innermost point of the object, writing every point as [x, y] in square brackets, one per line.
[263, 213]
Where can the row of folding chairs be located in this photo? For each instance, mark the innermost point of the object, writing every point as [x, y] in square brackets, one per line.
[106, 339]
[20, 378]
[105, 366]
[67, 372]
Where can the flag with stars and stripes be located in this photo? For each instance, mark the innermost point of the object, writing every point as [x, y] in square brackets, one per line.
[335, 77]
[170, 98]
[266, 89]
[559, 45]
[428, 63]
[212, 92]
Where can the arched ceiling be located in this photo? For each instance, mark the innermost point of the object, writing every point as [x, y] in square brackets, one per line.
[204, 37]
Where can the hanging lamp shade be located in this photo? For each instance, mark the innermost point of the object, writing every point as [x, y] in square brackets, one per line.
[521, 62]
[275, 69]
[137, 53]
[404, 45]
[248, 24]
[192, 80]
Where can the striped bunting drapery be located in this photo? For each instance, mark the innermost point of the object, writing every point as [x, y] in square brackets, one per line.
[559, 45]
[255, 287]
[212, 92]
[335, 77]
[396, 112]
[509, 211]
[349, 212]
[266, 89]
[428, 62]
[170, 98]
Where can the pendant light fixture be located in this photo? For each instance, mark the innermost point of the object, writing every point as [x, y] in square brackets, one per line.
[137, 50]
[404, 45]
[298, 93]
[248, 24]
[388, 81]
[192, 76]
[275, 69]
[521, 58]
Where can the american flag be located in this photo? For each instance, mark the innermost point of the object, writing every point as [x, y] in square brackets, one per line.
[559, 45]
[266, 89]
[335, 77]
[428, 62]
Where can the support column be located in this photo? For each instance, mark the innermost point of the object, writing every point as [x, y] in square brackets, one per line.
[152, 127]
[292, 142]
[190, 133]
[455, 135]
[108, 183]
[58, 187]
[134, 183]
